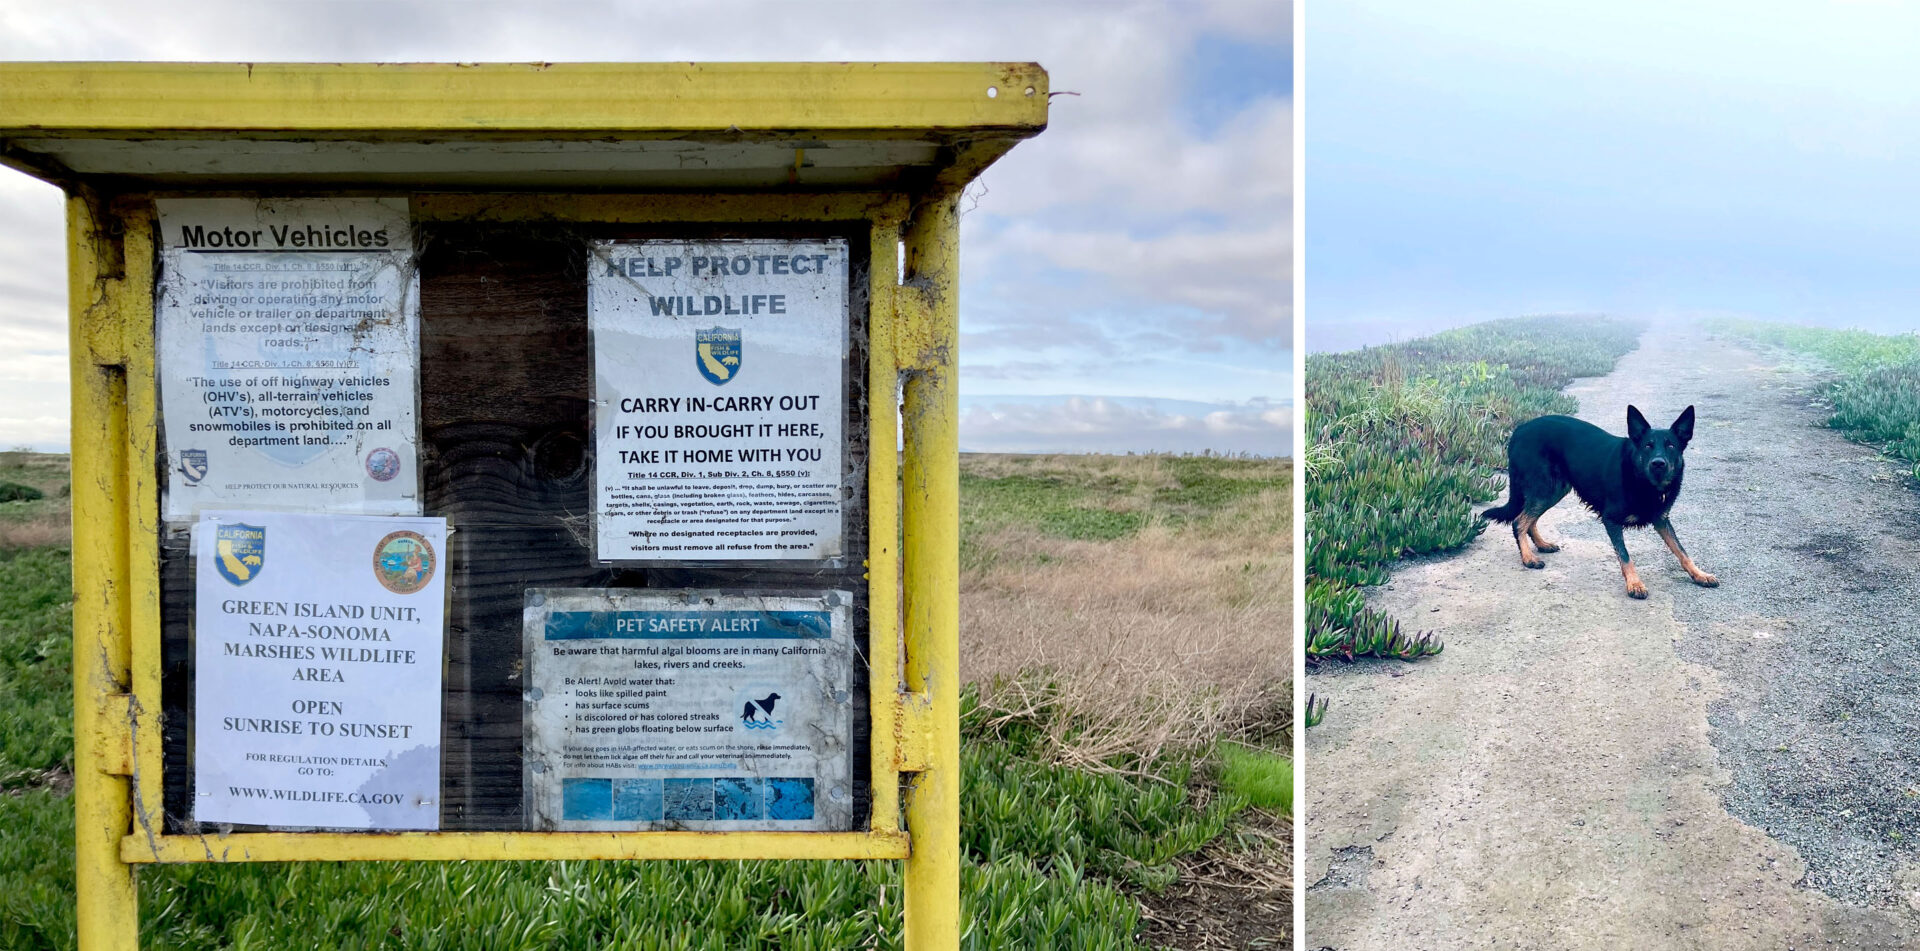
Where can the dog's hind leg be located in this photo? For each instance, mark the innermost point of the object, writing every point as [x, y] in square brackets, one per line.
[1634, 588]
[1526, 525]
[1701, 578]
[1523, 535]
[1537, 506]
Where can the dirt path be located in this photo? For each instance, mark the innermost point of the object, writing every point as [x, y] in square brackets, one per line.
[1729, 769]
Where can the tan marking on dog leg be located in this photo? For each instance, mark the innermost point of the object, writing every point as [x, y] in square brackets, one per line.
[1699, 577]
[1634, 588]
[1540, 544]
[1522, 534]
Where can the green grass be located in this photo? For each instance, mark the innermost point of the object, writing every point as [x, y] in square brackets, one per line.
[44, 472]
[1263, 779]
[1012, 903]
[1120, 827]
[1054, 856]
[15, 492]
[1050, 505]
[1876, 386]
[1847, 351]
[1403, 441]
[1096, 498]
[36, 665]
[34, 499]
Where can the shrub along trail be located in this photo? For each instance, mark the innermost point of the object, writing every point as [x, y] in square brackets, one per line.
[1723, 768]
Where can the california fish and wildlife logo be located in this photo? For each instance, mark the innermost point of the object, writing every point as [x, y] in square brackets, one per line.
[717, 353]
[193, 465]
[239, 551]
[383, 464]
[404, 562]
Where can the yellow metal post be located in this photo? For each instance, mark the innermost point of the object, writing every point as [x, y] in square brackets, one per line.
[183, 127]
[107, 911]
[930, 412]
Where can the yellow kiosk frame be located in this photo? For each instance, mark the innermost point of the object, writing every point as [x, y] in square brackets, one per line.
[887, 147]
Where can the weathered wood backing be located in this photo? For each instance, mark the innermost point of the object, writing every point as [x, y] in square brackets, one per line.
[507, 459]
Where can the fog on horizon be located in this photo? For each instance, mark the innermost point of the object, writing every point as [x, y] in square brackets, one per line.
[1638, 159]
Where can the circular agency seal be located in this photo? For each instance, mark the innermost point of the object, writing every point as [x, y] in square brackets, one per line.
[383, 464]
[403, 562]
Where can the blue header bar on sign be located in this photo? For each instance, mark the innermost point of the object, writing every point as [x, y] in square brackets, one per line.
[658, 625]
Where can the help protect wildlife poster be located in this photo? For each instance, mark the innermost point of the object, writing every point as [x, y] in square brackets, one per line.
[688, 710]
[719, 371]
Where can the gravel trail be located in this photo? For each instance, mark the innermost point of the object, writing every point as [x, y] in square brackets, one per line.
[1724, 768]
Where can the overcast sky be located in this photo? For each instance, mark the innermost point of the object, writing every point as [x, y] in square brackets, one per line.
[1126, 275]
[1466, 161]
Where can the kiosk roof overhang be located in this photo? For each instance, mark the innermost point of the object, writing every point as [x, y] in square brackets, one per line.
[577, 126]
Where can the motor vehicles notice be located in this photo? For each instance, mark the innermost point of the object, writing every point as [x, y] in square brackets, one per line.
[288, 336]
[719, 374]
[317, 670]
[688, 710]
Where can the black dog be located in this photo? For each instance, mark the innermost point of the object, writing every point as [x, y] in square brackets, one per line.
[1629, 483]
[754, 708]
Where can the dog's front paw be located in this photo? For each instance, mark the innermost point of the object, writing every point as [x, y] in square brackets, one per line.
[1636, 591]
[1533, 563]
[1705, 580]
[1545, 549]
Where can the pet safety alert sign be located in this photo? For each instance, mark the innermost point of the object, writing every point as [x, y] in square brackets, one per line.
[688, 710]
[719, 372]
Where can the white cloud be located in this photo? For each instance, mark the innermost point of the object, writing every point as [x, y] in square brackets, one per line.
[1179, 237]
[1239, 280]
[1148, 158]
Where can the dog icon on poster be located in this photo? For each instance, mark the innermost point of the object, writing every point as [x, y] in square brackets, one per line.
[758, 714]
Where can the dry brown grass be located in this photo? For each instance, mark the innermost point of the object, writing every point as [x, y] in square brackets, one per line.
[1168, 639]
[52, 529]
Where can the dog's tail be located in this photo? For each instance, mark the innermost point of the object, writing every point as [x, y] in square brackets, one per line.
[1509, 511]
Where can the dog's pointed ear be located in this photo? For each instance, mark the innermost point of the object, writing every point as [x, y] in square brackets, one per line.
[1637, 426]
[1683, 427]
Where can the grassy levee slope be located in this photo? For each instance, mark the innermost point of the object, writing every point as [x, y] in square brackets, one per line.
[1067, 844]
[1403, 441]
[1875, 390]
